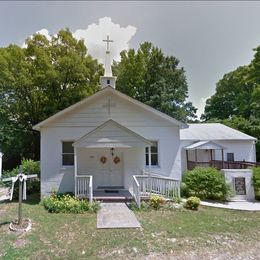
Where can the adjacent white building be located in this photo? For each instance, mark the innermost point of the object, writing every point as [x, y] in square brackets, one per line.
[111, 137]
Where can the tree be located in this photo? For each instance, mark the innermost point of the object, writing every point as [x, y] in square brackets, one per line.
[154, 79]
[38, 81]
[236, 102]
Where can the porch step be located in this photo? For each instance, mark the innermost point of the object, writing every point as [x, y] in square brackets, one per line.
[118, 196]
[110, 188]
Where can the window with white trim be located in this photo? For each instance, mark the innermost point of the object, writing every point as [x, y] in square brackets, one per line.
[154, 154]
[67, 153]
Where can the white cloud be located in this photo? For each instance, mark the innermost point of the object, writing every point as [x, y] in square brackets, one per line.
[96, 33]
[201, 106]
[43, 31]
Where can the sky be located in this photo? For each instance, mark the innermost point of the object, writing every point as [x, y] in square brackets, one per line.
[209, 38]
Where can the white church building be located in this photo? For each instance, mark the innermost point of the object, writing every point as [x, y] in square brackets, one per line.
[105, 140]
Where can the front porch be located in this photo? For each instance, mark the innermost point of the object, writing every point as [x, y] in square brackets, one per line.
[142, 187]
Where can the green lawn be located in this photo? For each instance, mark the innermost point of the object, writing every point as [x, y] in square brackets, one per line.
[163, 233]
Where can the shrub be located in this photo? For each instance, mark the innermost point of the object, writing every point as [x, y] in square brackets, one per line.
[156, 201]
[206, 183]
[28, 167]
[256, 182]
[192, 203]
[61, 203]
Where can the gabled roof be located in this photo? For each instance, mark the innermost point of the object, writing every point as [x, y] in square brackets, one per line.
[212, 131]
[111, 134]
[103, 92]
[204, 145]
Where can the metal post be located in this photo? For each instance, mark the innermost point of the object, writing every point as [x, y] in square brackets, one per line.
[20, 201]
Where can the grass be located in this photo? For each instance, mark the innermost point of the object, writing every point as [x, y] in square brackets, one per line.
[70, 236]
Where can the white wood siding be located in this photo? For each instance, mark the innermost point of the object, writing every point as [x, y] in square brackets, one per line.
[85, 119]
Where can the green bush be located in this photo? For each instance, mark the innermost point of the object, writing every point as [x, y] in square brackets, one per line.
[28, 167]
[192, 203]
[156, 201]
[68, 204]
[205, 183]
[256, 182]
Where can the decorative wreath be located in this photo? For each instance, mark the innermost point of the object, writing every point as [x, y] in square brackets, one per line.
[103, 159]
[116, 160]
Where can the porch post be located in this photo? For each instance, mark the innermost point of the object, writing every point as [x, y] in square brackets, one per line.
[222, 154]
[196, 158]
[187, 158]
[75, 171]
[149, 158]
[211, 158]
[150, 162]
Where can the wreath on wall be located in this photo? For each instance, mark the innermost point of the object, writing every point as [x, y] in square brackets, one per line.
[103, 159]
[116, 160]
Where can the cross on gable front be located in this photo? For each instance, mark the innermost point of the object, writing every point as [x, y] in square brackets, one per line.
[107, 41]
[108, 105]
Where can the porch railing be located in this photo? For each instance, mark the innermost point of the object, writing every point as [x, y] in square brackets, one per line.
[145, 185]
[84, 187]
[223, 165]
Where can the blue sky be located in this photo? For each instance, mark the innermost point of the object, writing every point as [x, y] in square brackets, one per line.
[209, 38]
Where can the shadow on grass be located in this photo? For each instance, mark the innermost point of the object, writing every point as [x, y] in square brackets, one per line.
[32, 199]
[4, 223]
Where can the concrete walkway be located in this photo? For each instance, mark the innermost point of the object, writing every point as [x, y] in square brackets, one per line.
[237, 205]
[116, 215]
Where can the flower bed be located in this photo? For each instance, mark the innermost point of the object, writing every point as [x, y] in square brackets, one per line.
[61, 203]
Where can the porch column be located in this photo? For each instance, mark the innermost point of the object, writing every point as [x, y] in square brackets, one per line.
[211, 158]
[222, 154]
[75, 170]
[150, 163]
[187, 158]
[196, 157]
[149, 158]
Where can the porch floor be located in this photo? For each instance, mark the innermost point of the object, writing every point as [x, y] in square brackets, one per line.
[118, 195]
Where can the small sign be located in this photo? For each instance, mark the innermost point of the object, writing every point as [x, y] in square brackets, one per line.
[240, 186]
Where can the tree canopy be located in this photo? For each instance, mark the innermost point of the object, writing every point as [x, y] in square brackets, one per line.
[154, 79]
[236, 102]
[36, 82]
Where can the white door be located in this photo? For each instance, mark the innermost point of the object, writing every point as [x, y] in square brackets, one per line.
[110, 170]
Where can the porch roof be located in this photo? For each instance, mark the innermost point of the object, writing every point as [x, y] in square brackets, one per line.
[204, 145]
[111, 135]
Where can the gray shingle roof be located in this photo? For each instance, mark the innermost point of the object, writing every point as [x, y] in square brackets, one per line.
[212, 131]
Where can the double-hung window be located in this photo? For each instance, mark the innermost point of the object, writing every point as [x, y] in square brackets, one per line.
[67, 153]
[154, 154]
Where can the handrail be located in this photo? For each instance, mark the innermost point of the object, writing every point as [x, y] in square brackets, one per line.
[154, 175]
[136, 191]
[144, 185]
[84, 186]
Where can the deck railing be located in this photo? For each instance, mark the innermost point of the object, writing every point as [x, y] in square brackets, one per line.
[145, 185]
[84, 187]
[223, 165]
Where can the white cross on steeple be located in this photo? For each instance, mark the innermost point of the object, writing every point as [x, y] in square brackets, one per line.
[108, 41]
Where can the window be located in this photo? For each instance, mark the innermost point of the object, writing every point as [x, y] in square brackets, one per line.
[108, 81]
[230, 157]
[154, 154]
[67, 153]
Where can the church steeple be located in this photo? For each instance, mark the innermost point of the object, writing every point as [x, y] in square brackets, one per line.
[108, 79]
